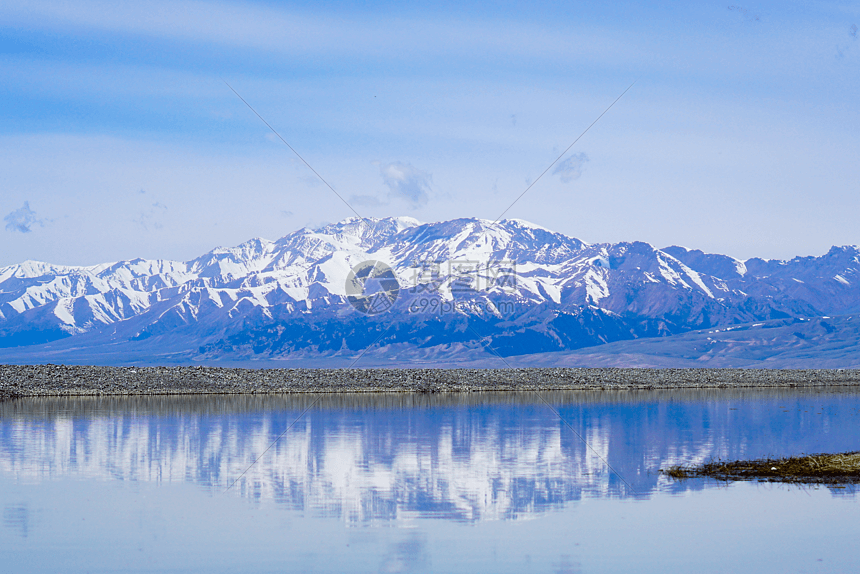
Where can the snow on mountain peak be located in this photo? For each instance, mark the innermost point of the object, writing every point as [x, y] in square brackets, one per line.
[405, 221]
[528, 224]
[303, 275]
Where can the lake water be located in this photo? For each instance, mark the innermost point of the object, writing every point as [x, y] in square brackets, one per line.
[421, 483]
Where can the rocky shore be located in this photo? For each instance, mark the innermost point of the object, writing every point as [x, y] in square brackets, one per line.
[60, 380]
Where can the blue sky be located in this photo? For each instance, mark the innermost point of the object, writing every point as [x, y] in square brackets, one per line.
[120, 139]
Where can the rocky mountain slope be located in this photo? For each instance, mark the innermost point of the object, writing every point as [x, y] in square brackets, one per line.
[440, 289]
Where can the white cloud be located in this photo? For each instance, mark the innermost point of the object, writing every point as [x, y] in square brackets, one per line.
[571, 168]
[22, 220]
[406, 182]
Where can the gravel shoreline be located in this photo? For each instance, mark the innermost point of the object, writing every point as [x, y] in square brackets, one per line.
[61, 380]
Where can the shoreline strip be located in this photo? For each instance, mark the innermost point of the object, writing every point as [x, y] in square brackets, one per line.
[65, 380]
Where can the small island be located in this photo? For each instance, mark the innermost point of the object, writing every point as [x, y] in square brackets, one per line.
[841, 468]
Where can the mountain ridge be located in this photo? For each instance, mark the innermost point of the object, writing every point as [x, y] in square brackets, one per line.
[507, 287]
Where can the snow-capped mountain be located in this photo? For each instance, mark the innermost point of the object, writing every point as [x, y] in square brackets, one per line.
[511, 286]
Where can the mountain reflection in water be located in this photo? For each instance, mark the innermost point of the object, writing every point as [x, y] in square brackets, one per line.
[466, 457]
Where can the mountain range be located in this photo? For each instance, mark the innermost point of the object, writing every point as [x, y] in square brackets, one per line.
[397, 292]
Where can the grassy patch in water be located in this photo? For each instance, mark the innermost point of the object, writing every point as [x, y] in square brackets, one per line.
[815, 468]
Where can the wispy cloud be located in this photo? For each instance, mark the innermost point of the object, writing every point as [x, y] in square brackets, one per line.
[842, 49]
[22, 220]
[150, 218]
[749, 16]
[406, 182]
[571, 168]
[299, 32]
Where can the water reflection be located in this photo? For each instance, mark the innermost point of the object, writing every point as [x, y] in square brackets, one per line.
[366, 458]
[17, 518]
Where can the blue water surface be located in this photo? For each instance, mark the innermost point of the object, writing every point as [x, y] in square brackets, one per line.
[421, 483]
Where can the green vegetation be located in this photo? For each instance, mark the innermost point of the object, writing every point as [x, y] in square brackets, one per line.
[816, 468]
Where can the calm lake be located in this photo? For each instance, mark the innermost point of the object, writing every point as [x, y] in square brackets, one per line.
[421, 483]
